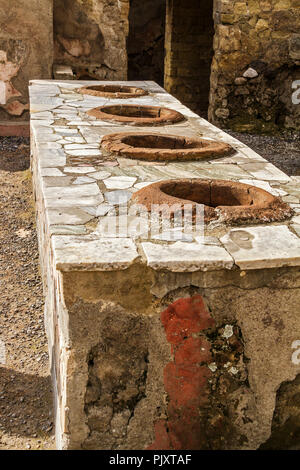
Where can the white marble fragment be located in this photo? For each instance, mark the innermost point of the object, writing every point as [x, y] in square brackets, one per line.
[265, 171]
[68, 229]
[119, 182]
[50, 158]
[68, 216]
[263, 247]
[51, 172]
[80, 190]
[266, 186]
[79, 169]
[84, 152]
[186, 257]
[118, 197]
[78, 146]
[83, 180]
[91, 253]
[100, 175]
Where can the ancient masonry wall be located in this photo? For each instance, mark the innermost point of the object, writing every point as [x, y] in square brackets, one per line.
[256, 60]
[242, 57]
[26, 53]
[90, 36]
[157, 342]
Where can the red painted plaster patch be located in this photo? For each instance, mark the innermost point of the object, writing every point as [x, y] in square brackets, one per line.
[186, 377]
[162, 438]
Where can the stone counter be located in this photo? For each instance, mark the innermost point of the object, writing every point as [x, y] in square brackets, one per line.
[158, 341]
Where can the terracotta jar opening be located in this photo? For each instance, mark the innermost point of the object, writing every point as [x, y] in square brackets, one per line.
[230, 201]
[113, 91]
[163, 147]
[137, 115]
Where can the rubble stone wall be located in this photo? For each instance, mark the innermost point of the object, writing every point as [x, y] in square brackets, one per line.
[190, 370]
[256, 62]
[240, 59]
[90, 36]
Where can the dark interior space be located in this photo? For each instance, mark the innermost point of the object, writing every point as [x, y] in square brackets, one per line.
[146, 40]
[189, 52]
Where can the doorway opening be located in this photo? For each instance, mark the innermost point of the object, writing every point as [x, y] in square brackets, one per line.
[189, 52]
[146, 40]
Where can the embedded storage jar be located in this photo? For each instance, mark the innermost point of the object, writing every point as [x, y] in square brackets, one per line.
[163, 147]
[230, 201]
[137, 115]
[113, 91]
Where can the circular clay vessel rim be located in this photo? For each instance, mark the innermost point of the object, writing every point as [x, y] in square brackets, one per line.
[270, 210]
[169, 115]
[129, 91]
[115, 143]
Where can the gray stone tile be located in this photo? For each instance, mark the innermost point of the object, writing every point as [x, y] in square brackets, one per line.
[266, 186]
[78, 191]
[68, 229]
[57, 181]
[68, 216]
[118, 197]
[52, 158]
[74, 202]
[296, 219]
[265, 171]
[100, 175]
[83, 180]
[172, 235]
[50, 145]
[119, 182]
[75, 139]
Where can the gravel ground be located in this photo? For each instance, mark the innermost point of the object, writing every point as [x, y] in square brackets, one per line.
[283, 152]
[25, 388]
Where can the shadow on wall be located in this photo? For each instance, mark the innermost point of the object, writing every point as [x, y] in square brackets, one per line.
[78, 40]
[26, 404]
[286, 420]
